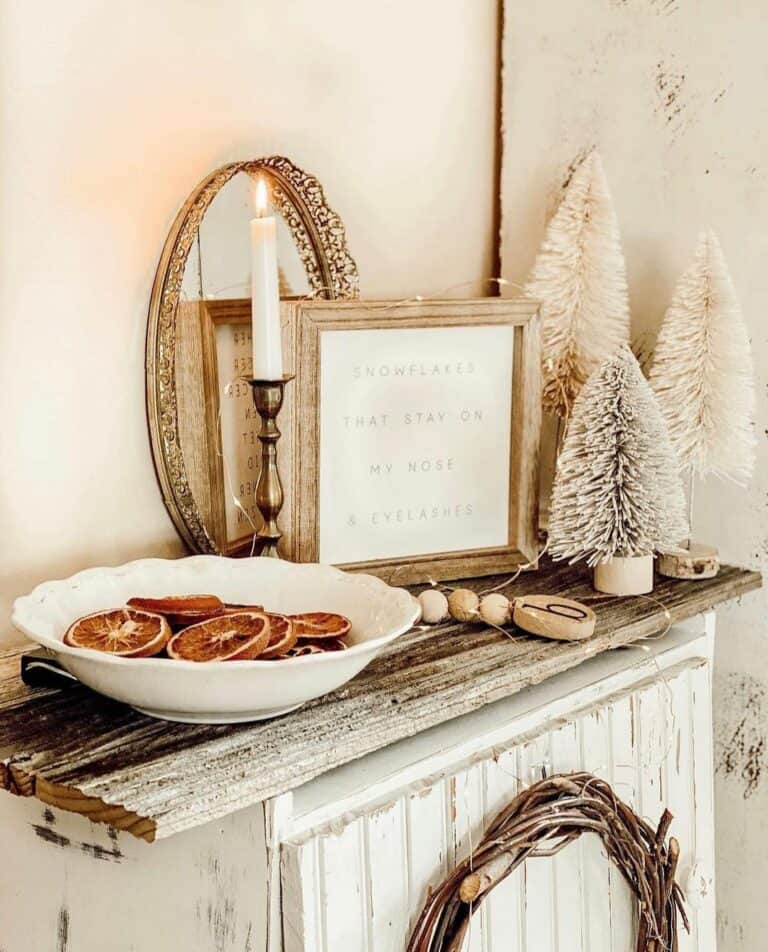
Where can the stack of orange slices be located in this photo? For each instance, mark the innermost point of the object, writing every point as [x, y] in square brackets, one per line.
[204, 628]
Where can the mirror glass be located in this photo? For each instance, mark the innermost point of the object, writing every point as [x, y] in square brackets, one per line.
[219, 262]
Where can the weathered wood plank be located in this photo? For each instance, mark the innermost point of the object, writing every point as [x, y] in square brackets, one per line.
[94, 753]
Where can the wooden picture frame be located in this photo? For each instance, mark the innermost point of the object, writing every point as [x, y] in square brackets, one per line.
[310, 321]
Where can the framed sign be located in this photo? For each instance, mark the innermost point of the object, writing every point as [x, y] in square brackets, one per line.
[220, 438]
[416, 436]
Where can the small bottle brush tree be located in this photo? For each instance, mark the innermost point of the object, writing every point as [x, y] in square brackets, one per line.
[579, 277]
[617, 496]
[702, 376]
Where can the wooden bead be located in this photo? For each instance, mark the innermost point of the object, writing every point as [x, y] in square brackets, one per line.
[434, 606]
[495, 609]
[463, 604]
[553, 617]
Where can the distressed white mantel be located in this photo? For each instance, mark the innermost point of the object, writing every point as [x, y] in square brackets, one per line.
[343, 862]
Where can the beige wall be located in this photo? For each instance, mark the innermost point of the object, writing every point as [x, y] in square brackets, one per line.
[109, 114]
[673, 94]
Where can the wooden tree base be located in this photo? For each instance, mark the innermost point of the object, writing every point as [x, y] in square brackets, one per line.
[625, 576]
[696, 562]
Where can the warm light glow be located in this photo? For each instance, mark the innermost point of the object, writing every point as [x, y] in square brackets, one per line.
[261, 198]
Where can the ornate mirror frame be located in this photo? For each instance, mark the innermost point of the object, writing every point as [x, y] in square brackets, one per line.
[320, 239]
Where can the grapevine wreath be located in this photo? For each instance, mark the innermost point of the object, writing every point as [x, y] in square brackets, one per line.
[541, 821]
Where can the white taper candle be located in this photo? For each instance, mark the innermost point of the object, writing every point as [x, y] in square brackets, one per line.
[265, 292]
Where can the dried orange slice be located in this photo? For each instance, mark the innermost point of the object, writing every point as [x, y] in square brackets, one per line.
[232, 608]
[323, 646]
[302, 650]
[326, 644]
[227, 638]
[179, 620]
[320, 625]
[282, 635]
[126, 632]
[176, 603]
[181, 610]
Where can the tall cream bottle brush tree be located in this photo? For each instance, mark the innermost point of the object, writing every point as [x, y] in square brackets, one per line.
[703, 378]
[617, 496]
[579, 277]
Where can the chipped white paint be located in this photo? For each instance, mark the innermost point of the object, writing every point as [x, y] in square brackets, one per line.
[346, 861]
[67, 885]
[671, 94]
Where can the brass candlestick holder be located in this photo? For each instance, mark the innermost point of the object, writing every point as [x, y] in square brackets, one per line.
[268, 399]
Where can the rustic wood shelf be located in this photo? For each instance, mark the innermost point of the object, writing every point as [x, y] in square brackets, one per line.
[84, 753]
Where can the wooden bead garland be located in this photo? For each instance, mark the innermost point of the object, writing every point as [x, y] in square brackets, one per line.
[545, 615]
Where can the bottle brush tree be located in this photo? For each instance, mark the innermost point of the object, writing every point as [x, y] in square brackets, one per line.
[704, 381]
[579, 277]
[617, 491]
[702, 370]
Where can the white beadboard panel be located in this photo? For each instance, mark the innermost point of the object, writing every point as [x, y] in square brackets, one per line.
[596, 873]
[624, 748]
[700, 713]
[386, 852]
[650, 725]
[679, 773]
[622, 770]
[569, 924]
[505, 907]
[427, 843]
[467, 807]
[651, 741]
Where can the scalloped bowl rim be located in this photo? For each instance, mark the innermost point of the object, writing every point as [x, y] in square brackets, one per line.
[50, 588]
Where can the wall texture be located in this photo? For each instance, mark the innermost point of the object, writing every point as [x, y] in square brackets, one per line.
[109, 114]
[671, 93]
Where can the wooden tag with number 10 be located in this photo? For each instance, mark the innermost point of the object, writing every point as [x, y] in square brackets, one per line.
[553, 617]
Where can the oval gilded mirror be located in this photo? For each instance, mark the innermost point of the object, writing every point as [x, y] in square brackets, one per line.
[201, 419]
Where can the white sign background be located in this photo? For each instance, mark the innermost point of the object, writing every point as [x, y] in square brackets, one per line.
[414, 441]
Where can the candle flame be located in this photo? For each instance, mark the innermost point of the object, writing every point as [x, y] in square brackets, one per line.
[261, 198]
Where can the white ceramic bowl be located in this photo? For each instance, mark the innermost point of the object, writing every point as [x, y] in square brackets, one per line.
[218, 692]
